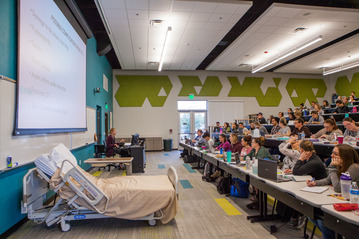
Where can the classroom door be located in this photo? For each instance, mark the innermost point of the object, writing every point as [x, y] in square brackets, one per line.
[190, 122]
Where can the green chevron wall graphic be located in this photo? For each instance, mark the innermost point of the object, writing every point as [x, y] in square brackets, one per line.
[251, 87]
[304, 89]
[211, 87]
[343, 86]
[134, 89]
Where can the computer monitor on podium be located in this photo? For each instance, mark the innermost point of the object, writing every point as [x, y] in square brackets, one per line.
[135, 139]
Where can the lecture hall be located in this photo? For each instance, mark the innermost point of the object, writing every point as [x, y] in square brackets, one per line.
[244, 114]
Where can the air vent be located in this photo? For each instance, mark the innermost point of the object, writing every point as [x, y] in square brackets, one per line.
[299, 29]
[152, 63]
[156, 22]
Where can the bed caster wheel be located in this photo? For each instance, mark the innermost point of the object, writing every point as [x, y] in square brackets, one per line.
[152, 222]
[65, 227]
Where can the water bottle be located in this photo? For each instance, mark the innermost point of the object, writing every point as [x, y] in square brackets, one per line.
[221, 130]
[355, 109]
[248, 163]
[256, 133]
[299, 136]
[229, 156]
[345, 182]
[9, 162]
[354, 193]
[255, 167]
[221, 150]
[346, 115]
[303, 135]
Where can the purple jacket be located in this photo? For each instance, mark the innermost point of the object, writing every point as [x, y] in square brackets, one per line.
[110, 144]
[226, 146]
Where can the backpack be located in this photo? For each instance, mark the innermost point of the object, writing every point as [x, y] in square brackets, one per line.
[239, 188]
[223, 185]
[188, 159]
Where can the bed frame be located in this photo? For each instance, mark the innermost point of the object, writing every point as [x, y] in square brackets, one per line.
[36, 190]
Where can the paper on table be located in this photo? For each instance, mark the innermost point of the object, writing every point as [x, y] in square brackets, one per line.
[314, 189]
[297, 178]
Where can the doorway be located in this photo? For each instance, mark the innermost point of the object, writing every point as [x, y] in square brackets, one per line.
[98, 124]
[106, 124]
[192, 116]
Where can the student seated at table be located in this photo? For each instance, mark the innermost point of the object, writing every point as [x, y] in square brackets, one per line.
[330, 129]
[281, 115]
[234, 128]
[209, 142]
[261, 119]
[325, 105]
[258, 150]
[298, 123]
[352, 130]
[316, 118]
[226, 128]
[199, 140]
[309, 163]
[275, 122]
[344, 159]
[241, 128]
[298, 114]
[236, 146]
[224, 143]
[263, 131]
[351, 100]
[284, 129]
[312, 106]
[217, 129]
[341, 107]
[291, 116]
[246, 143]
[112, 147]
[289, 110]
[345, 101]
[290, 149]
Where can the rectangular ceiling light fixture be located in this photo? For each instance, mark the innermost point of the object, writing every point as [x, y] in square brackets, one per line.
[288, 53]
[165, 46]
[341, 68]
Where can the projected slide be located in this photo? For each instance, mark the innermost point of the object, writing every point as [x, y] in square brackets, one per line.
[51, 71]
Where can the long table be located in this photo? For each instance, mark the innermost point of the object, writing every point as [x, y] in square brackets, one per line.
[309, 204]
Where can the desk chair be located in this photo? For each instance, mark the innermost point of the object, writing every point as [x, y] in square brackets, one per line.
[109, 165]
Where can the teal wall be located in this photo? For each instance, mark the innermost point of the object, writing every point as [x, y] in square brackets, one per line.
[11, 181]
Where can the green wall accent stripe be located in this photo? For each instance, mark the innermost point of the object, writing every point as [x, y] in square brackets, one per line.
[343, 86]
[211, 87]
[251, 87]
[134, 89]
[304, 89]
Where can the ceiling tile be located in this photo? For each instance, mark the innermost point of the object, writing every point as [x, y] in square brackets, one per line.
[137, 4]
[205, 7]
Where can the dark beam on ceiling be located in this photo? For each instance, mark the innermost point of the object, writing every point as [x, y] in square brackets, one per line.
[93, 19]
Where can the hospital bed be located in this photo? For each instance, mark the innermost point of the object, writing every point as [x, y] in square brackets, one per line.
[37, 191]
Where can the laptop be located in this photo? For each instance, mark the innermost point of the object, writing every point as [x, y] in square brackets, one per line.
[268, 169]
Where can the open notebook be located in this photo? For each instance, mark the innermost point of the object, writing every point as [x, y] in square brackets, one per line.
[314, 189]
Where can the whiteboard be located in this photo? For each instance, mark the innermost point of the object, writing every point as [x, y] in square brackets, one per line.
[224, 111]
[25, 149]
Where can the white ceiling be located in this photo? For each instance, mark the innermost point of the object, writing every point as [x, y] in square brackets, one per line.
[198, 26]
[273, 32]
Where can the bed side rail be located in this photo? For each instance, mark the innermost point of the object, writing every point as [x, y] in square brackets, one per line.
[34, 190]
[173, 177]
[81, 184]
